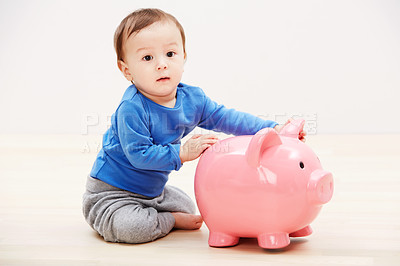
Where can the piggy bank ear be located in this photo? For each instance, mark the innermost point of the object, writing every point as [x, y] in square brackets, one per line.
[261, 141]
[293, 128]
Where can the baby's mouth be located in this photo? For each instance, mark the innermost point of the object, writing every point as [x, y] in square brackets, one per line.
[163, 79]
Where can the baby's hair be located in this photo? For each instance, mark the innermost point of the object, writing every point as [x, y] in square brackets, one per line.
[138, 20]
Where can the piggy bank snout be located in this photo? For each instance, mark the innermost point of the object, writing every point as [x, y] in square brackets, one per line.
[320, 187]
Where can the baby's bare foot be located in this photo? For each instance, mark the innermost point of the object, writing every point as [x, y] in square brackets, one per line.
[187, 221]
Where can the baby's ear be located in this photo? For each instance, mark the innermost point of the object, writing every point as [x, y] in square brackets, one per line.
[125, 70]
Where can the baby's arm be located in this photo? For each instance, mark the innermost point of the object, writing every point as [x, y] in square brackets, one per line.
[230, 121]
[137, 143]
[219, 118]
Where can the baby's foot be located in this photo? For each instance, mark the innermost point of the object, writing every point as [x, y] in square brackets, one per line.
[187, 221]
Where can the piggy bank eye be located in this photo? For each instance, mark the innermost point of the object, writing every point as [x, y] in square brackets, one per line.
[301, 165]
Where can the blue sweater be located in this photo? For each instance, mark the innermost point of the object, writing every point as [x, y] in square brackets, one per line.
[142, 145]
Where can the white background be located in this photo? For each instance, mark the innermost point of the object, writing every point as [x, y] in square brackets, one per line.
[338, 61]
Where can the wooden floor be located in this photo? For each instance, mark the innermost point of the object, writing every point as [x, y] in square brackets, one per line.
[42, 179]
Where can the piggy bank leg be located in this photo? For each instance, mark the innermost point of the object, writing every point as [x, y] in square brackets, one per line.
[217, 239]
[273, 240]
[306, 231]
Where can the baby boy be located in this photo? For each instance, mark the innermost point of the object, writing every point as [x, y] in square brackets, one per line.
[127, 199]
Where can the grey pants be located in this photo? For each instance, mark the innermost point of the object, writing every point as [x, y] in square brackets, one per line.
[122, 216]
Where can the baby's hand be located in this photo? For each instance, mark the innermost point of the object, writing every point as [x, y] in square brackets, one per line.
[195, 146]
[302, 134]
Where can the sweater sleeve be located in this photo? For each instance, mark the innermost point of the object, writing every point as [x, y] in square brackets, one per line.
[219, 118]
[137, 143]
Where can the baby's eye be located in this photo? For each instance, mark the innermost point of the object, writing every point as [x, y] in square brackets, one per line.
[170, 54]
[147, 58]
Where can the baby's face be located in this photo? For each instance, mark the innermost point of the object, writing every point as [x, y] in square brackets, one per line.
[154, 60]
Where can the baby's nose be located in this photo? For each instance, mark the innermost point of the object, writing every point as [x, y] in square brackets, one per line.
[161, 65]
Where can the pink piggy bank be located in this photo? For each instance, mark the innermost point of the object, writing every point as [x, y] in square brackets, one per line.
[268, 186]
